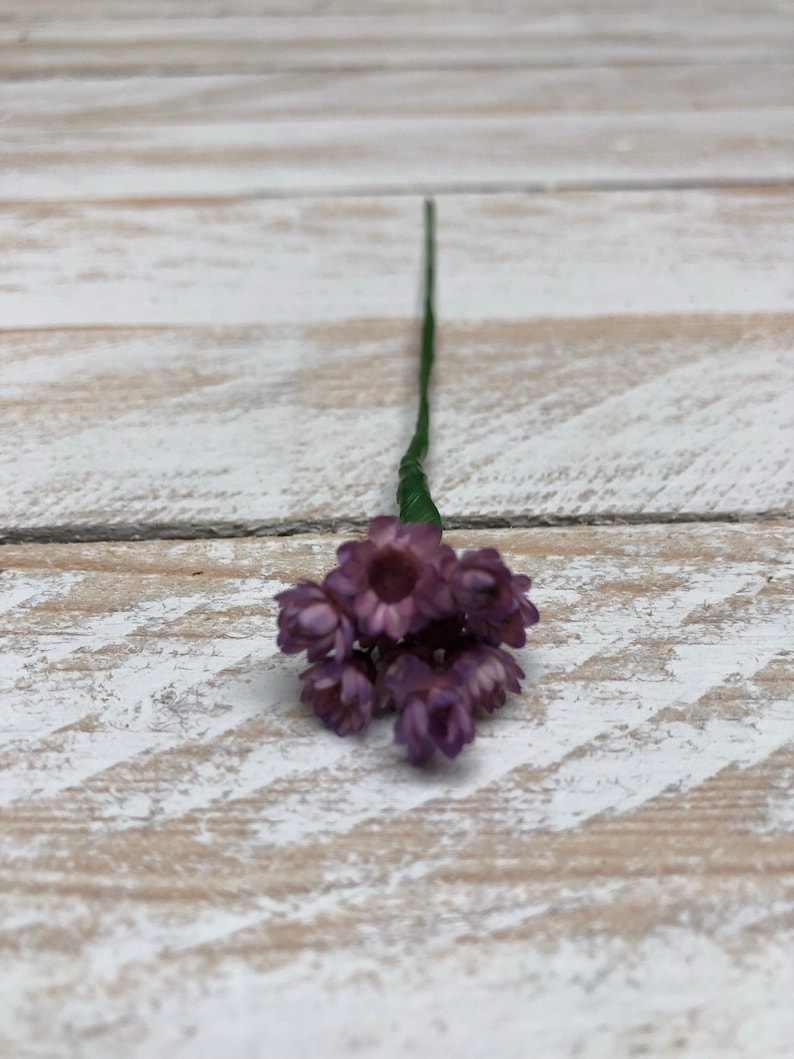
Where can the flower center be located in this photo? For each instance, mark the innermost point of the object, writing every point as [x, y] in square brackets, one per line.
[393, 574]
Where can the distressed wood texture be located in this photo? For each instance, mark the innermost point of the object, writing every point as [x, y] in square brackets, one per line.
[416, 39]
[577, 13]
[380, 130]
[177, 363]
[191, 865]
[210, 212]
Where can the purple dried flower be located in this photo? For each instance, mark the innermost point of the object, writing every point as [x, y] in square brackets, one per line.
[341, 693]
[311, 619]
[403, 625]
[390, 580]
[433, 710]
[389, 682]
[497, 609]
[481, 584]
[521, 584]
[487, 673]
[440, 604]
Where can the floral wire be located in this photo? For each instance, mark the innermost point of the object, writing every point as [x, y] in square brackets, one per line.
[413, 493]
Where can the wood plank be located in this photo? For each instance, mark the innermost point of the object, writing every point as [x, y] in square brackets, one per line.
[598, 418]
[186, 854]
[345, 94]
[386, 131]
[510, 257]
[423, 39]
[178, 363]
[140, 10]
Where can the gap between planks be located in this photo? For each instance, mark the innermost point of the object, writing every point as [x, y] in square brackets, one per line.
[197, 531]
[414, 190]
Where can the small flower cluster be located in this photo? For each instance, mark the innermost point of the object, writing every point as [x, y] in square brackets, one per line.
[402, 624]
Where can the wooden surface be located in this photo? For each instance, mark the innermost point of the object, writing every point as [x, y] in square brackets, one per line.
[189, 858]
[321, 131]
[182, 359]
[408, 36]
[209, 292]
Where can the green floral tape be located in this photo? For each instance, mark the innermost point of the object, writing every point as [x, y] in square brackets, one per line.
[413, 494]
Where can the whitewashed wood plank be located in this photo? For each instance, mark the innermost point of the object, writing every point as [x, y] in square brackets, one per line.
[187, 856]
[24, 11]
[661, 415]
[509, 257]
[387, 131]
[340, 95]
[137, 10]
[388, 155]
[590, 353]
[654, 415]
[398, 40]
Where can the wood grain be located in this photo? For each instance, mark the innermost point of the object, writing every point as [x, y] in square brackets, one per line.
[15, 11]
[386, 131]
[187, 855]
[416, 39]
[599, 331]
[526, 91]
[508, 257]
[23, 11]
[210, 212]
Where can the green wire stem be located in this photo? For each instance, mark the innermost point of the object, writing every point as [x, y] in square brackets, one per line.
[413, 494]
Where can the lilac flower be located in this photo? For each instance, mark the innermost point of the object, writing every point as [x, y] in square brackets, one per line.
[341, 693]
[312, 620]
[487, 673]
[433, 710]
[391, 580]
[497, 609]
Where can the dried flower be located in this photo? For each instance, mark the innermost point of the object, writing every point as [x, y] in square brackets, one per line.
[389, 681]
[496, 608]
[389, 580]
[311, 619]
[403, 625]
[341, 693]
[487, 673]
[433, 712]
